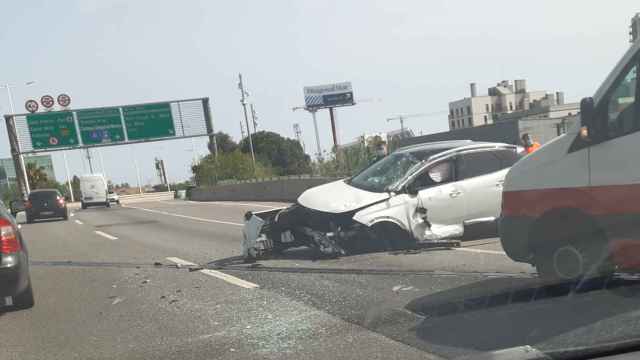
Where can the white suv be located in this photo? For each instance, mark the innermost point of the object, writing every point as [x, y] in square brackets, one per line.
[418, 193]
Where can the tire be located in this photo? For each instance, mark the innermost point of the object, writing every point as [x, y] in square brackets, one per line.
[392, 237]
[579, 257]
[83, 205]
[66, 216]
[25, 299]
[107, 204]
[29, 220]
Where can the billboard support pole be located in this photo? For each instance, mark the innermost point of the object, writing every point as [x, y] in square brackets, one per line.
[333, 129]
[18, 160]
[89, 160]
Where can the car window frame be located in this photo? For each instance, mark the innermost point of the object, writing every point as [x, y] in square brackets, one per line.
[602, 108]
[475, 151]
[430, 166]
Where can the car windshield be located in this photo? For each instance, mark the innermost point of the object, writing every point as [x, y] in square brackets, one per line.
[382, 175]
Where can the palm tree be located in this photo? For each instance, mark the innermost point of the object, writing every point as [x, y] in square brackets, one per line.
[36, 175]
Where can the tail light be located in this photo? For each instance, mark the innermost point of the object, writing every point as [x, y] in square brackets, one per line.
[60, 201]
[8, 238]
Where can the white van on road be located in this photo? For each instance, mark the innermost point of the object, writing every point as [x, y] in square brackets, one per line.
[572, 208]
[94, 191]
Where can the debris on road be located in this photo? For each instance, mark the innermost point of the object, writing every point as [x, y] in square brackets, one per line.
[117, 300]
[157, 263]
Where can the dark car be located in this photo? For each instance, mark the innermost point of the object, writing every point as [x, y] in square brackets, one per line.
[15, 282]
[46, 204]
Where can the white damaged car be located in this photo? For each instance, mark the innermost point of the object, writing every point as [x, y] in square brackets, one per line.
[419, 193]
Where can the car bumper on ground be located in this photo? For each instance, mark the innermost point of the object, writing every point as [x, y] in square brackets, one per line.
[514, 235]
[14, 274]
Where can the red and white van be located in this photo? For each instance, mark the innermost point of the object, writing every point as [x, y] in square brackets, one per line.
[573, 207]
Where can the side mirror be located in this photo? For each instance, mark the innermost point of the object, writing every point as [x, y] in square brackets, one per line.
[588, 114]
[412, 189]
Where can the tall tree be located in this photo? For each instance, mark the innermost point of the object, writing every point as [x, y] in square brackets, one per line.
[225, 143]
[37, 176]
[284, 155]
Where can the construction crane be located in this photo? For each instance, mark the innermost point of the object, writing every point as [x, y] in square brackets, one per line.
[401, 118]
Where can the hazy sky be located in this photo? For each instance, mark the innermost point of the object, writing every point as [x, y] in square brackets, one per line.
[402, 56]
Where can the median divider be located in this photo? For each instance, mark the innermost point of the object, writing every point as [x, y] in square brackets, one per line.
[286, 190]
[136, 198]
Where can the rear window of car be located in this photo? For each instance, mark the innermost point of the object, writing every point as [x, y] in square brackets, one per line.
[43, 195]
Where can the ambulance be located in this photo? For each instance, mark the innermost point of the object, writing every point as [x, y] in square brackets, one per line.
[572, 208]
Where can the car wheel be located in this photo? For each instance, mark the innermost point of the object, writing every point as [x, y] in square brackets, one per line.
[571, 260]
[83, 205]
[29, 220]
[66, 216]
[391, 237]
[25, 299]
[108, 204]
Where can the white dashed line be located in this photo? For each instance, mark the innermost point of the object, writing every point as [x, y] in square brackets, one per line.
[103, 234]
[481, 251]
[79, 222]
[184, 216]
[217, 274]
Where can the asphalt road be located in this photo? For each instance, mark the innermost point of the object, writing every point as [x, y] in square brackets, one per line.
[161, 280]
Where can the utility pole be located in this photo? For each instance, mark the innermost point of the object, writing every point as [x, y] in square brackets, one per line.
[254, 117]
[246, 118]
[241, 130]
[298, 133]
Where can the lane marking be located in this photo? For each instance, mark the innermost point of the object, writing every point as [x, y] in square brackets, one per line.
[79, 222]
[184, 216]
[104, 234]
[217, 274]
[233, 203]
[481, 251]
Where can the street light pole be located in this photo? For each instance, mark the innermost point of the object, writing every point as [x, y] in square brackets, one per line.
[246, 119]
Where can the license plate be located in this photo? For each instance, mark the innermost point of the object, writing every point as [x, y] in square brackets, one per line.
[47, 213]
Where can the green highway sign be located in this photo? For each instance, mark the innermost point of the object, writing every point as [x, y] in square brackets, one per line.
[148, 121]
[100, 126]
[51, 130]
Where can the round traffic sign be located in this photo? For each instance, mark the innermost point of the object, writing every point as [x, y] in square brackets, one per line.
[47, 101]
[31, 106]
[53, 140]
[64, 100]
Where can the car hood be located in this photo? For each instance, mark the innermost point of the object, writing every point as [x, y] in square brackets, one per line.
[338, 197]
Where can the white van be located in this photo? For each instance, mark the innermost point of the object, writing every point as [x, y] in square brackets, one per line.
[572, 208]
[94, 190]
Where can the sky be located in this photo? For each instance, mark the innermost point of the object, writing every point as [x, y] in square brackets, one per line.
[402, 57]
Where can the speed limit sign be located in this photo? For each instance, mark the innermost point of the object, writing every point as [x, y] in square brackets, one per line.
[64, 100]
[31, 106]
[47, 101]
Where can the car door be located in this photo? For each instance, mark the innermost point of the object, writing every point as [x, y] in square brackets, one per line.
[480, 175]
[614, 157]
[439, 198]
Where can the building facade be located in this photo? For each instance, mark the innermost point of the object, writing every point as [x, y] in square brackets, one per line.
[504, 98]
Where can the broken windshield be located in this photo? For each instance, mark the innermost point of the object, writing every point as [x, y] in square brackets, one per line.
[389, 171]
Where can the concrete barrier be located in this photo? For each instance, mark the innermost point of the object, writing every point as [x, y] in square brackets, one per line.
[286, 190]
[157, 196]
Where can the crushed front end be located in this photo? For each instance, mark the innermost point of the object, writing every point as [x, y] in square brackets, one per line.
[275, 230]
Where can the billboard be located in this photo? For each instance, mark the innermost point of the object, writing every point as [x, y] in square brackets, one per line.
[69, 129]
[326, 96]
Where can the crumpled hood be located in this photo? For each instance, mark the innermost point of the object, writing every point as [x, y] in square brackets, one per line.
[338, 197]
